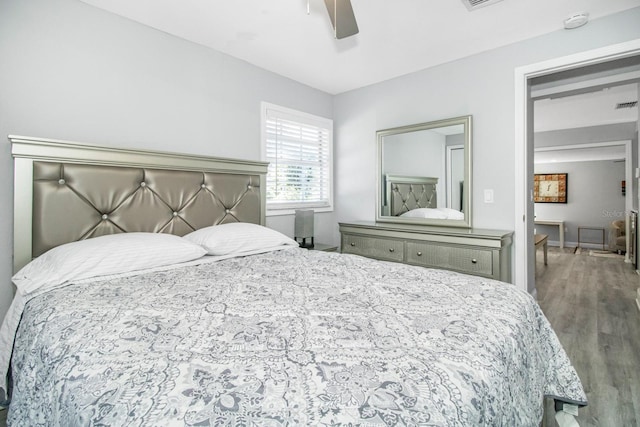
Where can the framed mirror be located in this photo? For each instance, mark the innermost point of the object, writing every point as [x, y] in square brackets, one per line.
[424, 173]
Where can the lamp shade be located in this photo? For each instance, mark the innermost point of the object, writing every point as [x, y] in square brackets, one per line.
[304, 223]
[303, 227]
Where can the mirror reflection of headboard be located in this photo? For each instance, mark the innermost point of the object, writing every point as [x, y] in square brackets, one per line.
[405, 193]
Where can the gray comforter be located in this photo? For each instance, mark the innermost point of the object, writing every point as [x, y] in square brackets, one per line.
[291, 337]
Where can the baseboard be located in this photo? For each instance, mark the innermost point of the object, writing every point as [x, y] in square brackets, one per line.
[583, 245]
[597, 246]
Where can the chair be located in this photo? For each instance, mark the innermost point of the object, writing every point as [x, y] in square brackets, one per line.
[617, 236]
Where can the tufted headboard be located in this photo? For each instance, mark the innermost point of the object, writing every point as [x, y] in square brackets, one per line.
[66, 191]
[405, 193]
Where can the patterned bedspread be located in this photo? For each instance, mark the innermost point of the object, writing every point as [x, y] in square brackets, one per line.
[291, 337]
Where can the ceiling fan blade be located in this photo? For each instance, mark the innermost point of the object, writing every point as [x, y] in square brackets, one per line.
[342, 18]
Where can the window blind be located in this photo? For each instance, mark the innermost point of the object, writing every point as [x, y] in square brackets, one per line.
[298, 149]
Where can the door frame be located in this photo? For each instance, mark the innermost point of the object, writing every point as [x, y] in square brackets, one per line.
[524, 268]
[449, 169]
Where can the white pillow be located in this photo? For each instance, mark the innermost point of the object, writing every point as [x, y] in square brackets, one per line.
[104, 255]
[452, 213]
[434, 213]
[425, 213]
[238, 238]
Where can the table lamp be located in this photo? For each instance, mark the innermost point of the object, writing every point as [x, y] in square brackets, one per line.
[303, 228]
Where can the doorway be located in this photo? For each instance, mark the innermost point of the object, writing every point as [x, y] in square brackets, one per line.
[597, 198]
[524, 268]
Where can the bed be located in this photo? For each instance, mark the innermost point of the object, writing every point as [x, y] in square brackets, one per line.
[243, 327]
[416, 197]
[405, 193]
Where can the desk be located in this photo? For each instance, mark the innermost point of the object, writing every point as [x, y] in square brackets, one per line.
[560, 225]
[584, 227]
[541, 240]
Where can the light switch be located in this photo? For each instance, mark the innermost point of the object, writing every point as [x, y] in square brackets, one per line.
[488, 196]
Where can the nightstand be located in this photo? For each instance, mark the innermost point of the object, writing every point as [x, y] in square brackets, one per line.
[323, 247]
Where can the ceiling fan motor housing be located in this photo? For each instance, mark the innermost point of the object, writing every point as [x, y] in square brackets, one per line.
[342, 18]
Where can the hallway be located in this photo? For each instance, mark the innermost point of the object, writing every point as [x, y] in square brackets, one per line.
[590, 302]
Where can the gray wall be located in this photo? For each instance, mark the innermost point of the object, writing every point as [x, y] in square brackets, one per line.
[481, 85]
[71, 71]
[586, 135]
[594, 198]
[592, 134]
[419, 153]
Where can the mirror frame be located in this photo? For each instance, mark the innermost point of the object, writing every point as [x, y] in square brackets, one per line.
[466, 121]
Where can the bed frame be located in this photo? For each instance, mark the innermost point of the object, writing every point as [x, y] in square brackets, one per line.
[405, 193]
[69, 191]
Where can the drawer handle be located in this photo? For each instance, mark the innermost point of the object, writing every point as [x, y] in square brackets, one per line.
[474, 261]
[391, 250]
[353, 243]
[419, 253]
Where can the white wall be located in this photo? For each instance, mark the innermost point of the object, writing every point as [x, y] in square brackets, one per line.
[71, 71]
[594, 199]
[481, 85]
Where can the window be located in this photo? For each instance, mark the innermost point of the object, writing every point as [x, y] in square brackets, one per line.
[298, 147]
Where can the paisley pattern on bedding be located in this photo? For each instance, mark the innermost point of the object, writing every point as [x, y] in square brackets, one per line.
[288, 338]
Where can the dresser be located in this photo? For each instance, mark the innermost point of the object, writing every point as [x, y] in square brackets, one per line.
[479, 252]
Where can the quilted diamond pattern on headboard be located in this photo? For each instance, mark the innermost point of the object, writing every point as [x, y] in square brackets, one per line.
[405, 193]
[406, 197]
[75, 201]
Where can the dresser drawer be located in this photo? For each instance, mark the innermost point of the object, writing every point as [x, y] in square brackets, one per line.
[373, 247]
[466, 260]
[485, 253]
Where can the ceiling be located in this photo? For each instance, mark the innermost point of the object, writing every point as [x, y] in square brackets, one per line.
[587, 109]
[396, 37]
[587, 96]
[590, 153]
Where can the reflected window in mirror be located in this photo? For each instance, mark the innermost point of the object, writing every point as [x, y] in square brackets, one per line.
[424, 173]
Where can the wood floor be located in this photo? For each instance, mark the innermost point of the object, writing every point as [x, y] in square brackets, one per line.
[590, 302]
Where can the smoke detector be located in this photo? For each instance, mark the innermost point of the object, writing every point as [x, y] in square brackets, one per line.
[576, 20]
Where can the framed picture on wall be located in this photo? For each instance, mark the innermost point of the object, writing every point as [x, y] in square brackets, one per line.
[550, 188]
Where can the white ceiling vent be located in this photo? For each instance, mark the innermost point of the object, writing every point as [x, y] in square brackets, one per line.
[476, 4]
[630, 104]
